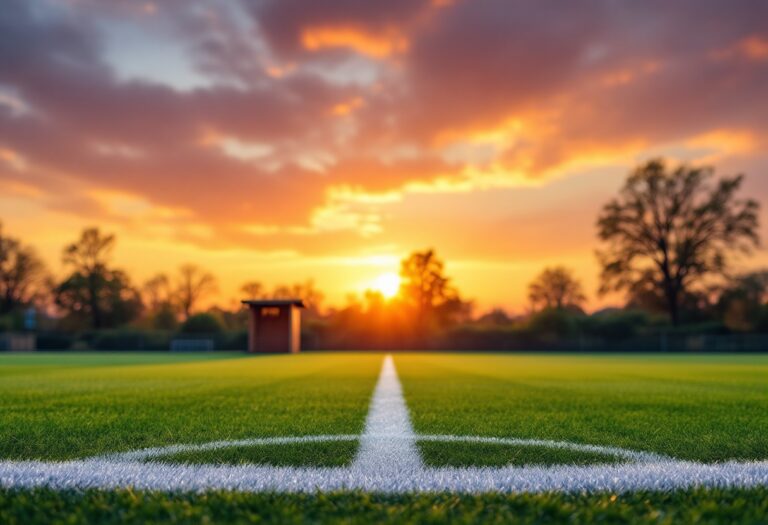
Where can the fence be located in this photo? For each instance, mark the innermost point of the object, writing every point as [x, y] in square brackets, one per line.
[459, 340]
[119, 340]
[17, 342]
[661, 342]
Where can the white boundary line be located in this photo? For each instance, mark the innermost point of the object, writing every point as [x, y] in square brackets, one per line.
[388, 443]
[388, 461]
[106, 474]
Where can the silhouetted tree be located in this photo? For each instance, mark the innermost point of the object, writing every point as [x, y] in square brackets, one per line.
[159, 300]
[555, 288]
[193, 284]
[252, 290]
[306, 291]
[674, 227]
[115, 300]
[646, 294]
[157, 291]
[426, 287]
[494, 317]
[22, 274]
[102, 296]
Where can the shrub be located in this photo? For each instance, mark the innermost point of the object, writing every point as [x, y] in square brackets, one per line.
[553, 322]
[202, 324]
[54, 341]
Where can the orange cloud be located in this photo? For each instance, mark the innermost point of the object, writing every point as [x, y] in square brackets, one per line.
[378, 46]
[345, 108]
[627, 75]
[753, 47]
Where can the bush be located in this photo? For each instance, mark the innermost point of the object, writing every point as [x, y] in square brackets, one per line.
[165, 318]
[53, 341]
[558, 323]
[233, 341]
[705, 328]
[617, 325]
[202, 324]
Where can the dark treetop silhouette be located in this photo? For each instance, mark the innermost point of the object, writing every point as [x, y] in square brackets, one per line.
[672, 227]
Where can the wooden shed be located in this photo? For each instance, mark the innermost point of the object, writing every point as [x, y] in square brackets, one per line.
[274, 325]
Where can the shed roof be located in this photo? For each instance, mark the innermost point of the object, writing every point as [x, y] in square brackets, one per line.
[274, 302]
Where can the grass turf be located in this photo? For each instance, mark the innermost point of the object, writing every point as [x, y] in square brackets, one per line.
[89, 407]
[324, 454]
[440, 454]
[125, 506]
[706, 408]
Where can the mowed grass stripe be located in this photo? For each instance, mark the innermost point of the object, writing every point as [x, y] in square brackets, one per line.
[76, 412]
[704, 408]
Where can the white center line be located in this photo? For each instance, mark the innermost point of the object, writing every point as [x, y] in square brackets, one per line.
[388, 444]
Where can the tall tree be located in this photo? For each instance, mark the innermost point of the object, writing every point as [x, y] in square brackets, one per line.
[22, 274]
[88, 258]
[101, 295]
[426, 286]
[555, 288]
[117, 301]
[159, 299]
[193, 284]
[675, 225]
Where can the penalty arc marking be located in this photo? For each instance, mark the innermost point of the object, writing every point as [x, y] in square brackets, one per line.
[388, 461]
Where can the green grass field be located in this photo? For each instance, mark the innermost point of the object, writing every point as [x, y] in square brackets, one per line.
[74, 406]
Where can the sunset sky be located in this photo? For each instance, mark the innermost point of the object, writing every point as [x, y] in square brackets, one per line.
[285, 140]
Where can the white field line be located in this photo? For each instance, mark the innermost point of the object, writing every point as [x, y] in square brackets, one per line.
[663, 476]
[388, 461]
[388, 444]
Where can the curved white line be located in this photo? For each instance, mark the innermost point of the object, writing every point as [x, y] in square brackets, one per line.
[664, 476]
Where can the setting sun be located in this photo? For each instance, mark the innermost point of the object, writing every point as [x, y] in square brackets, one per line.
[388, 284]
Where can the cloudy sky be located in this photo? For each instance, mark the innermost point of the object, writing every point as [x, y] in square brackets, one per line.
[284, 140]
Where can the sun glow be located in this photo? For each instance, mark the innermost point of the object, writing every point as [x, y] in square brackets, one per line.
[388, 284]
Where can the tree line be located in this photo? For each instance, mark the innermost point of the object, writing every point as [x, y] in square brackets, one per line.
[668, 242]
